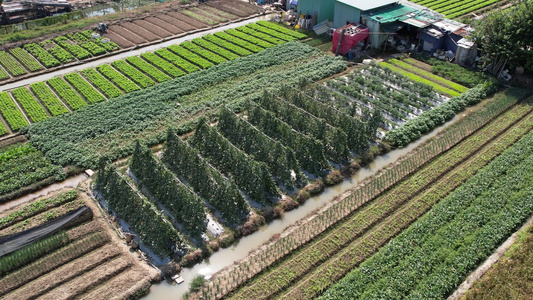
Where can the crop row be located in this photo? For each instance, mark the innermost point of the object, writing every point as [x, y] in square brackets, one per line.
[32, 252]
[249, 38]
[192, 57]
[187, 66]
[117, 78]
[109, 46]
[359, 250]
[215, 49]
[468, 8]
[46, 96]
[61, 54]
[437, 79]
[282, 29]
[33, 109]
[101, 83]
[134, 74]
[365, 192]
[23, 170]
[3, 74]
[184, 205]
[497, 195]
[326, 247]
[142, 216]
[38, 206]
[162, 64]
[233, 43]
[417, 78]
[147, 69]
[26, 59]
[11, 113]
[11, 64]
[207, 181]
[271, 32]
[67, 93]
[260, 35]
[47, 59]
[84, 88]
[215, 58]
[74, 49]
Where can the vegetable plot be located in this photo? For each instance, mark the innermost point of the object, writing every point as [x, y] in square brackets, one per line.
[282, 29]
[178, 61]
[271, 32]
[249, 38]
[101, 83]
[33, 109]
[144, 218]
[162, 64]
[11, 113]
[84, 88]
[448, 241]
[120, 80]
[44, 57]
[184, 205]
[46, 96]
[26, 59]
[233, 43]
[453, 9]
[188, 55]
[74, 49]
[147, 68]
[11, 64]
[66, 93]
[216, 59]
[215, 49]
[142, 80]
[24, 165]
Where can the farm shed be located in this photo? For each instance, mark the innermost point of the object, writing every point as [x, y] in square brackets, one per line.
[323, 8]
[351, 10]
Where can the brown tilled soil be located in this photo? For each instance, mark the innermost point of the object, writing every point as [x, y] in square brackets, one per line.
[84, 283]
[140, 31]
[187, 19]
[119, 40]
[97, 264]
[163, 24]
[159, 31]
[126, 34]
[65, 273]
[229, 9]
[177, 23]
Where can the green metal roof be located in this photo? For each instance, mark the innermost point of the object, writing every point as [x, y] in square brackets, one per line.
[395, 13]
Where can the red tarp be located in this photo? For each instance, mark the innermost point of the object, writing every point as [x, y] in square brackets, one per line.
[353, 34]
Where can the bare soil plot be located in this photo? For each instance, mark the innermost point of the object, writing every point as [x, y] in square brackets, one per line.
[119, 40]
[140, 31]
[126, 34]
[95, 262]
[153, 28]
[164, 24]
[176, 23]
[229, 9]
[187, 19]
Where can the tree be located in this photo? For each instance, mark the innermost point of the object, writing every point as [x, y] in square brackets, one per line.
[506, 36]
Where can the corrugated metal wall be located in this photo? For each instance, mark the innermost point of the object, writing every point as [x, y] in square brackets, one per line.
[345, 13]
[324, 8]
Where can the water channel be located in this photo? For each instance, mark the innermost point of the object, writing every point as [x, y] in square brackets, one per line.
[226, 257]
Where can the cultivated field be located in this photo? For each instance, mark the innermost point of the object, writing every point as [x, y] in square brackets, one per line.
[307, 271]
[455, 9]
[73, 91]
[85, 259]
